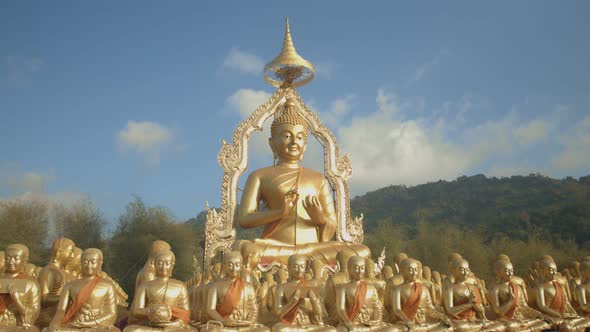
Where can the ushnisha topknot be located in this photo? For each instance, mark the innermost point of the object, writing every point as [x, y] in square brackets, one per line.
[288, 115]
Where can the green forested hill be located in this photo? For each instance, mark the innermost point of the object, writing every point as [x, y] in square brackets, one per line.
[515, 206]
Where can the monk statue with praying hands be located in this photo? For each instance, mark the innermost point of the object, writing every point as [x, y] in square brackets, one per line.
[19, 293]
[411, 303]
[552, 300]
[298, 305]
[161, 304]
[357, 302]
[88, 303]
[231, 301]
[508, 301]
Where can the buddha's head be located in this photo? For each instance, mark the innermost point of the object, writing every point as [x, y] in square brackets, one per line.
[288, 134]
[342, 258]
[16, 257]
[317, 268]
[164, 263]
[410, 269]
[548, 269]
[156, 247]
[91, 262]
[232, 264]
[74, 265]
[504, 270]
[575, 268]
[62, 251]
[356, 268]
[297, 265]
[503, 257]
[282, 275]
[387, 272]
[585, 270]
[460, 269]
[427, 273]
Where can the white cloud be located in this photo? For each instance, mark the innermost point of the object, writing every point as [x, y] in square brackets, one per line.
[424, 68]
[246, 101]
[244, 62]
[532, 132]
[29, 182]
[146, 138]
[324, 69]
[339, 108]
[575, 154]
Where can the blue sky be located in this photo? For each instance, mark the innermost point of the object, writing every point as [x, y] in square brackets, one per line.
[109, 99]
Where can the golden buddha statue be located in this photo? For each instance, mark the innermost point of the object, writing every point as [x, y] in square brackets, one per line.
[298, 306]
[387, 272]
[508, 301]
[318, 279]
[299, 215]
[231, 302]
[147, 272]
[552, 300]
[161, 304]
[411, 304]
[582, 293]
[88, 303]
[282, 277]
[463, 301]
[74, 267]
[19, 294]
[357, 302]
[53, 278]
[370, 277]
[425, 277]
[337, 279]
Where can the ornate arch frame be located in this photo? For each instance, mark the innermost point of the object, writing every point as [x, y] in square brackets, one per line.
[220, 227]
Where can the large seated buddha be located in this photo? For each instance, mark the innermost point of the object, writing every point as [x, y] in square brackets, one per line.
[293, 204]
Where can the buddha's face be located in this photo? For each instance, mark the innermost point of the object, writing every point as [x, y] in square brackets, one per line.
[14, 261]
[164, 265]
[461, 270]
[282, 275]
[505, 271]
[356, 269]
[410, 271]
[91, 264]
[549, 271]
[233, 266]
[290, 142]
[297, 268]
[66, 253]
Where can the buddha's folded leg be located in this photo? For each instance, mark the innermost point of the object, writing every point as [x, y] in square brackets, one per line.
[465, 326]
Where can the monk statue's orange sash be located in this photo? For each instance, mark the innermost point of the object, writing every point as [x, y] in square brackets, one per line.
[80, 300]
[359, 300]
[5, 299]
[509, 314]
[182, 314]
[231, 299]
[290, 315]
[558, 303]
[470, 313]
[410, 308]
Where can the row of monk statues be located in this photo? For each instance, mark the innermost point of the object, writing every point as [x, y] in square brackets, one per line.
[72, 293]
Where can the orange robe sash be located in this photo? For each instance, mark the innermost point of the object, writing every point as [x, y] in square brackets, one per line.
[232, 298]
[359, 300]
[80, 300]
[290, 315]
[410, 308]
[5, 299]
[182, 314]
[509, 314]
[470, 313]
[558, 303]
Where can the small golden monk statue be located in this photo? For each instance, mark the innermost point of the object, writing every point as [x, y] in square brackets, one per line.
[161, 304]
[299, 215]
[357, 302]
[298, 306]
[552, 300]
[337, 279]
[86, 304]
[74, 267]
[411, 304]
[583, 290]
[19, 294]
[231, 302]
[148, 271]
[371, 278]
[464, 301]
[508, 301]
[53, 278]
